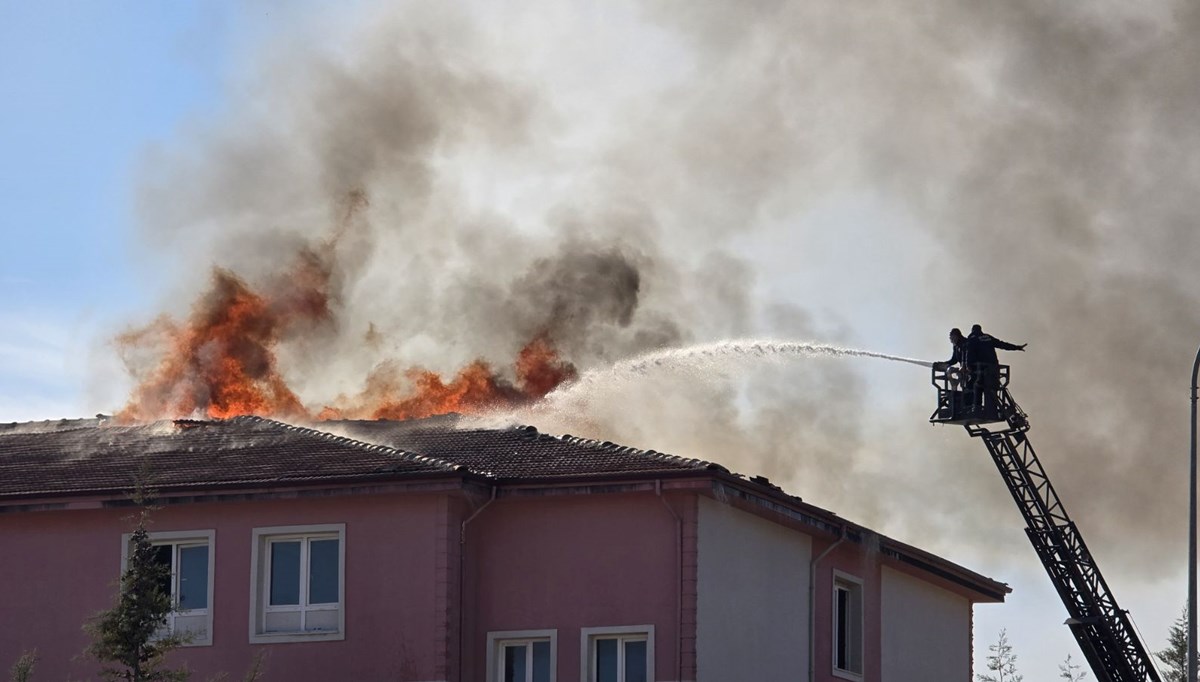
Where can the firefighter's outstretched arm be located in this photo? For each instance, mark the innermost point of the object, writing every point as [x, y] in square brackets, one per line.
[1004, 345]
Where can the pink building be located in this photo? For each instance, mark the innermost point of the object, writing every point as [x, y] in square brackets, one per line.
[462, 555]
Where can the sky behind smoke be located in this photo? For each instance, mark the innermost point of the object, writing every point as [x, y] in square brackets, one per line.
[658, 173]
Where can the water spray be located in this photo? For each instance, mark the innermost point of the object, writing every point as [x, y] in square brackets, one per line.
[751, 348]
[701, 359]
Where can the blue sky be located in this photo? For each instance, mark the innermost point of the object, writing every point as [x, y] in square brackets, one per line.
[87, 87]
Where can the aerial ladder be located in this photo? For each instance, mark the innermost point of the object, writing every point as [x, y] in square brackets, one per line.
[1103, 630]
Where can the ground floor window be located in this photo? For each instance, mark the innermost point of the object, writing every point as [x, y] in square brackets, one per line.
[522, 656]
[618, 654]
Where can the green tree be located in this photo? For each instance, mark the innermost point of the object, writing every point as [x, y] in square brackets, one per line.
[22, 670]
[1002, 662]
[1175, 655]
[129, 640]
[1072, 672]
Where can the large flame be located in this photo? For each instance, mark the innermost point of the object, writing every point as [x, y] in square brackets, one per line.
[394, 393]
[222, 361]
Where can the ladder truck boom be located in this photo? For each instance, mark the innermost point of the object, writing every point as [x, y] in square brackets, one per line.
[1103, 630]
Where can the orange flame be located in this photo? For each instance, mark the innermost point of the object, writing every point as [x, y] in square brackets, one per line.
[222, 362]
[394, 393]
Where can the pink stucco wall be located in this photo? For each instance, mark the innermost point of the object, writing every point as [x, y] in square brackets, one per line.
[535, 559]
[61, 567]
[568, 562]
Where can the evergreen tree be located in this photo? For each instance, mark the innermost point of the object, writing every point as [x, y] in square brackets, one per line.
[22, 670]
[1072, 672]
[1175, 655]
[1002, 662]
[129, 640]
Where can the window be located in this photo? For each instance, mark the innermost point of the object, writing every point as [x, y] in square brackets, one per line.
[847, 626]
[189, 556]
[298, 584]
[522, 656]
[620, 654]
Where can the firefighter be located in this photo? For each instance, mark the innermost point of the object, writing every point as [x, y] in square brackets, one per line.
[979, 351]
[958, 356]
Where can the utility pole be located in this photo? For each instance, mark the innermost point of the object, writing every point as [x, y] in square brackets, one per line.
[1191, 607]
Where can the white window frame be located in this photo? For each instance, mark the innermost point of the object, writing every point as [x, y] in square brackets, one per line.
[499, 639]
[260, 572]
[178, 538]
[587, 650]
[853, 585]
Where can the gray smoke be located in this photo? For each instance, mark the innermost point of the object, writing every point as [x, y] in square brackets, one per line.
[665, 172]
[1048, 149]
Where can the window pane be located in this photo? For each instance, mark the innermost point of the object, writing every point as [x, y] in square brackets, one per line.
[841, 652]
[606, 660]
[323, 572]
[193, 577]
[285, 573]
[635, 661]
[541, 662]
[162, 557]
[514, 664]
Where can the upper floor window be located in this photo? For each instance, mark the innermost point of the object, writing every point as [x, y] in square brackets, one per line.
[189, 556]
[847, 626]
[298, 584]
[522, 656]
[620, 654]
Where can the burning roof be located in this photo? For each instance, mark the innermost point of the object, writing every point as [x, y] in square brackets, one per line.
[95, 456]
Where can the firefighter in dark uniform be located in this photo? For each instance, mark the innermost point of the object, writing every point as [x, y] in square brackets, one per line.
[958, 356]
[979, 351]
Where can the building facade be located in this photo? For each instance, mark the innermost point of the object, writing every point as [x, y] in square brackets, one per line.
[422, 552]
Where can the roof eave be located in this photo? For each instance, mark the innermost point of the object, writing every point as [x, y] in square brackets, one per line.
[121, 495]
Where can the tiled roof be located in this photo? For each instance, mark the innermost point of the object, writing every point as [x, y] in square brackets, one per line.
[91, 455]
[96, 455]
[519, 452]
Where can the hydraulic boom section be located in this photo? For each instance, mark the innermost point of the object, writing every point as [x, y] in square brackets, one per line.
[1104, 631]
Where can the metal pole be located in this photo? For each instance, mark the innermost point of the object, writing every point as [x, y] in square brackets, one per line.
[1191, 606]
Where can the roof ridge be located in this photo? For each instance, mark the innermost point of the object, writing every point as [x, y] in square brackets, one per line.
[14, 432]
[346, 440]
[50, 425]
